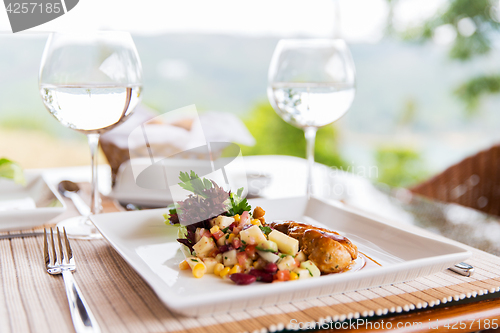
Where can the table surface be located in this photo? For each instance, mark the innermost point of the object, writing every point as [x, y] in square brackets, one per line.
[452, 221]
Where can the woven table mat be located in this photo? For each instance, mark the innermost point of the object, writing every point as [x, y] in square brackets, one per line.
[33, 301]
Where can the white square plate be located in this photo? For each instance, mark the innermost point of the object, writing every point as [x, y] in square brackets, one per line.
[23, 207]
[150, 247]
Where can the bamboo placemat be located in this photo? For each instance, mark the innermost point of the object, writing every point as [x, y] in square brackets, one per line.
[33, 301]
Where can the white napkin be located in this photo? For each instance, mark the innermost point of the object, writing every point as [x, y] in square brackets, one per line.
[17, 204]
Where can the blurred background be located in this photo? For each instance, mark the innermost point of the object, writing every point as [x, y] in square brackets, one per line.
[428, 77]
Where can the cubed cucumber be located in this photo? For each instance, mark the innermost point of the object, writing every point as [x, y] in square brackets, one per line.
[268, 256]
[229, 258]
[218, 257]
[311, 267]
[254, 233]
[301, 256]
[268, 246]
[287, 262]
[302, 273]
[286, 244]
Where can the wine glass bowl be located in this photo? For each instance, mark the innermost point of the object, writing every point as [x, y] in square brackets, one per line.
[90, 82]
[311, 83]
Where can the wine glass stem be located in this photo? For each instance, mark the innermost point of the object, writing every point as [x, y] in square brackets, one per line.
[310, 134]
[95, 206]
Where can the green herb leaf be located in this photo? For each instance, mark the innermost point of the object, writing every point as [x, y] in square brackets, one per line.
[192, 183]
[237, 204]
[266, 230]
[12, 170]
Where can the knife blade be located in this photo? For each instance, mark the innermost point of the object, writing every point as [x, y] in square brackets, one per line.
[28, 234]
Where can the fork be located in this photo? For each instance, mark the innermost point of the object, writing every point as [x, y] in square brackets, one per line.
[64, 263]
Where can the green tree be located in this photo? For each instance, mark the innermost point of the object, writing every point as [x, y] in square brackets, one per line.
[476, 23]
[276, 137]
[398, 166]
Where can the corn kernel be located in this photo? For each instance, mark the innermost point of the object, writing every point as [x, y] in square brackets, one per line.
[224, 272]
[218, 268]
[230, 238]
[183, 265]
[256, 222]
[236, 269]
[214, 229]
[294, 276]
[237, 217]
[198, 270]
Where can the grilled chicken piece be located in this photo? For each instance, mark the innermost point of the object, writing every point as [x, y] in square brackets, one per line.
[329, 250]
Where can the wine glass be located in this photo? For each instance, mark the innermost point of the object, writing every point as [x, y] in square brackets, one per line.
[90, 82]
[311, 83]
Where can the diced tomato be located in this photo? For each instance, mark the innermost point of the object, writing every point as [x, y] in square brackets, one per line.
[207, 233]
[245, 218]
[297, 262]
[250, 250]
[283, 275]
[218, 234]
[236, 243]
[242, 259]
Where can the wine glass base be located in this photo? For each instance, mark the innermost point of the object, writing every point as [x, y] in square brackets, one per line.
[80, 227]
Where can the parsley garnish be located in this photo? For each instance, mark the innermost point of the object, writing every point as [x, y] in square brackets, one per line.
[225, 229]
[194, 260]
[266, 230]
[238, 205]
[193, 183]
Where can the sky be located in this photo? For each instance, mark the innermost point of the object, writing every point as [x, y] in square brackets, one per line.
[357, 21]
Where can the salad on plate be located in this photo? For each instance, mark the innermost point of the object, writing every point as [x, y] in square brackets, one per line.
[237, 243]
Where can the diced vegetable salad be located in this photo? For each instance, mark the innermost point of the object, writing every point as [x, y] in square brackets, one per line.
[237, 244]
[242, 249]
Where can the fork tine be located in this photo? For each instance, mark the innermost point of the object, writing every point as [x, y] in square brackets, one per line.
[61, 256]
[69, 252]
[46, 248]
[53, 260]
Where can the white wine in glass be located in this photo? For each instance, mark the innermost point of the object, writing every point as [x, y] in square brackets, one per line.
[311, 84]
[90, 82]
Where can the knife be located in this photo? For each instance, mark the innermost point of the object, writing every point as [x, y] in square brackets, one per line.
[28, 234]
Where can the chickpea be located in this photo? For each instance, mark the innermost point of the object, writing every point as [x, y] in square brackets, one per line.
[258, 212]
